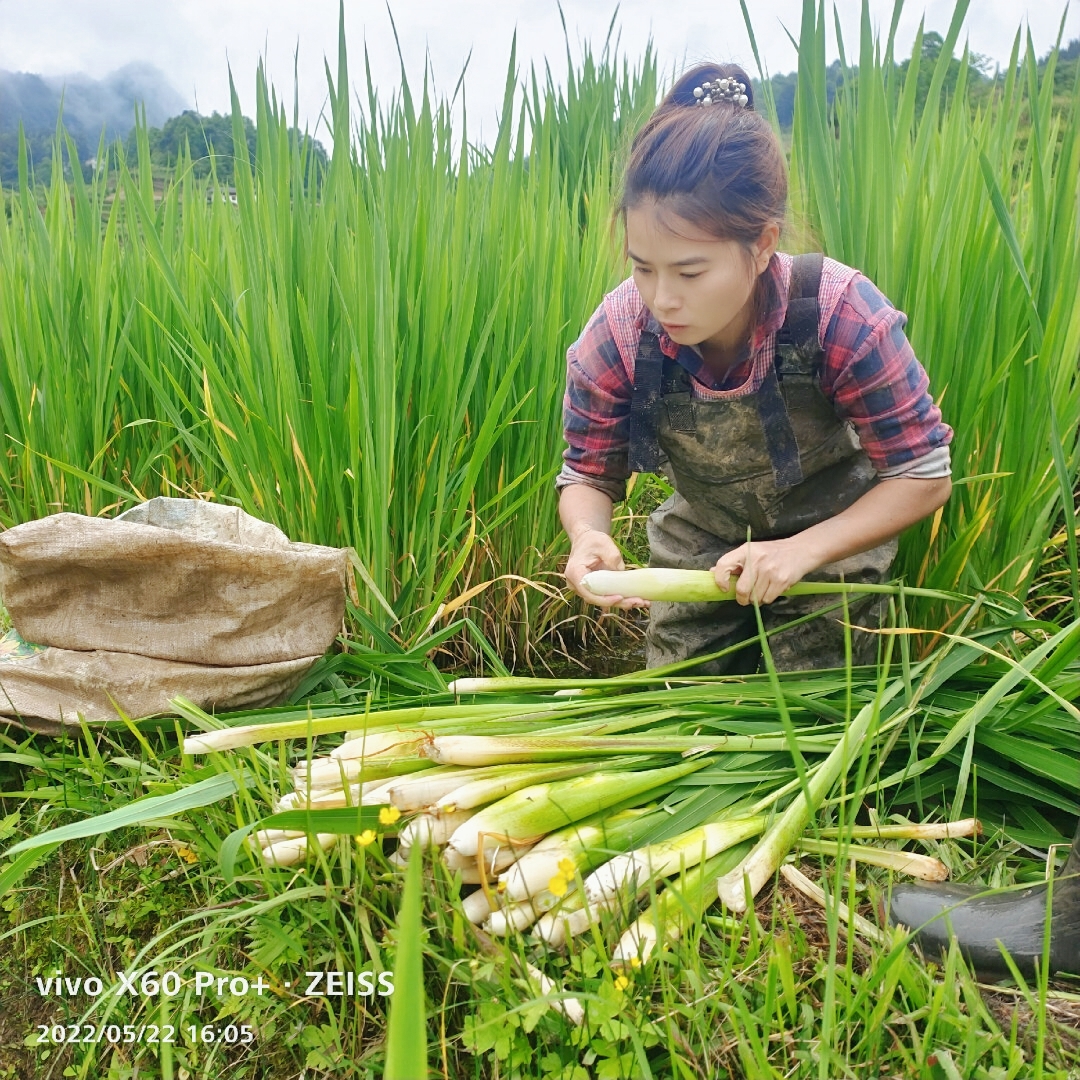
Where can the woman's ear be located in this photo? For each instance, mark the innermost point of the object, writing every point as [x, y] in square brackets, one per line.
[765, 246]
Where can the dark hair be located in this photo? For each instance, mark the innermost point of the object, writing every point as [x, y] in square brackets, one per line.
[719, 166]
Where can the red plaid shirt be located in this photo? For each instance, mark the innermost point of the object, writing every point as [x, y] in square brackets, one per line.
[870, 375]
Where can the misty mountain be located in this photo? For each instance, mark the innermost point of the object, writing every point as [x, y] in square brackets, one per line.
[90, 105]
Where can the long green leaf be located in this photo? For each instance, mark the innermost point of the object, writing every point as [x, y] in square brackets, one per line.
[203, 793]
[406, 1035]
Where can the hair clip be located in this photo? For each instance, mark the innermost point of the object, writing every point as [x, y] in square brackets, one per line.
[721, 90]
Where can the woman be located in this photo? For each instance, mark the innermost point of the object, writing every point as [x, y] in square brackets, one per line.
[789, 406]
[782, 393]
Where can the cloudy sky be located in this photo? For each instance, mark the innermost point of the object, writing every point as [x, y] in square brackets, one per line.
[195, 41]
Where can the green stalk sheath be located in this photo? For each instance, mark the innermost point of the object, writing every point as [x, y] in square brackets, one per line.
[683, 901]
[760, 865]
[661, 583]
[422, 716]
[503, 749]
[501, 781]
[533, 812]
[584, 844]
[627, 875]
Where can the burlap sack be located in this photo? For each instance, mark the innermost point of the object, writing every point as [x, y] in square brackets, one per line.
[56, 686]
[231, 610]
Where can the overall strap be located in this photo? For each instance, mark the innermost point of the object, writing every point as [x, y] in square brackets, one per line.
[798, 344]
[648, 375]
[798, 352]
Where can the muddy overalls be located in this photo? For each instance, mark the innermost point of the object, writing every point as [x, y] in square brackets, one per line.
[776, 461]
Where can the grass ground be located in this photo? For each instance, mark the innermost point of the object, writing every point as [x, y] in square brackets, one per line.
[784, 991]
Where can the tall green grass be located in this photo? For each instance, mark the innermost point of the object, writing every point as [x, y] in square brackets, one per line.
[374, 355]
[371, 357]
[974, 230]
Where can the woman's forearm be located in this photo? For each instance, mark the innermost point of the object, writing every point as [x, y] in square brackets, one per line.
[877, 516]
[584, 509]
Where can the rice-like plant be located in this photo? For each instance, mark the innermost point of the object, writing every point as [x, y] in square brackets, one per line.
[373, 354]
[974, 233]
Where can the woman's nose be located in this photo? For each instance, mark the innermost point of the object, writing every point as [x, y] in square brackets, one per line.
[667, 296]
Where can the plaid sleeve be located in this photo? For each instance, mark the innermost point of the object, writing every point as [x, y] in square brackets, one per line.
[874, 380]
[596, 411]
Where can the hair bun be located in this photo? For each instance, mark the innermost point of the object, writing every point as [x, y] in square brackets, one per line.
[700, 84]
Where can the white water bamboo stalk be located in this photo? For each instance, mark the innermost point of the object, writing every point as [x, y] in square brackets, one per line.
[902, 862]
[392, 720]
[681, 902]
[567, 921]
[495, 861]
[431, 830]
[798, 880]
[423, 791]
[626, 875]
[663, 583]
[479, 750]
[586, 845]
[477, 906]
[381, 744]
[570, 1007]
[370, 793]
[266, 837]
[471, 874]
[769, 852]
[330, 772]
[290, 852]
[939, 830]
[517, 916]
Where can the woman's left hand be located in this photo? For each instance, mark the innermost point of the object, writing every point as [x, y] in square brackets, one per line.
[763, 569]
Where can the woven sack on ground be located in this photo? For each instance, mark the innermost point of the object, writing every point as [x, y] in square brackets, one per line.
[173, 597]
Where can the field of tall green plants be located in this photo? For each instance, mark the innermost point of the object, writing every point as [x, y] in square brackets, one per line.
[372, 354]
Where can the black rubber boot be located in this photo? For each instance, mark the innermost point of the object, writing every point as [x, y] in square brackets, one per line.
[979, 922]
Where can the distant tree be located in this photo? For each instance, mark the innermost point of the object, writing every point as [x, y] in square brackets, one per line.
[1068, 67]
[783, 88]
[1069, 52]
[39, 154]
[979, 69]
[208, 140]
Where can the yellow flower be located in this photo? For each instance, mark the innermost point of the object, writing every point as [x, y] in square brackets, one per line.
[365, 838]
[621, 983]
[635, 963]
[567, 867]
[187, 854]
[388, 815]
[558, 885]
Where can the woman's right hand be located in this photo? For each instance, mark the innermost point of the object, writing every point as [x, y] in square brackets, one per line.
[595, 550]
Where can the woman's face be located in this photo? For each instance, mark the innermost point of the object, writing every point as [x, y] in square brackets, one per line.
[698, 287]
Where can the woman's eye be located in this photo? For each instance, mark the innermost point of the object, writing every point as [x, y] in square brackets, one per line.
[641, 270]
[692, 276]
